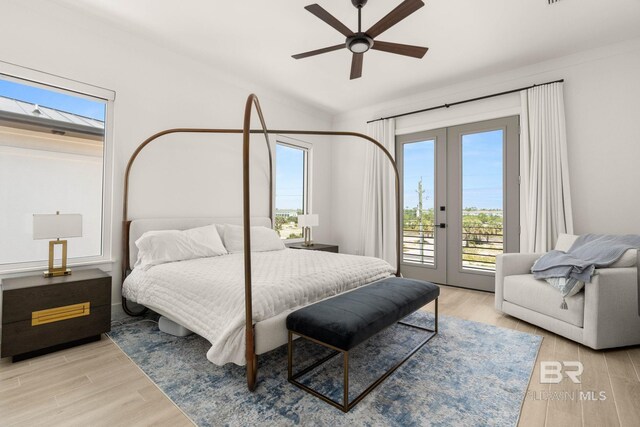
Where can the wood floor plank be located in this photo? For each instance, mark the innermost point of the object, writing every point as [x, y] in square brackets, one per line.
[9, 384]
[534, 409]
[526, 327]
[10, 370]
[564, 408]
[627, 398]
[506, 321]
[101, 381]
[23, 413]
[21, 401]
[598, 405]
[465, 306]
[634, 354]
[78, 367]
[620, 364]
[109, 405]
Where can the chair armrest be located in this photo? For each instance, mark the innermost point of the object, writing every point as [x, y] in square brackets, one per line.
[611, 308]
[512, 264]
[509, 265]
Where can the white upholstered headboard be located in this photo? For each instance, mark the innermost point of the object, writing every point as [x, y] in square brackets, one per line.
[140, 226]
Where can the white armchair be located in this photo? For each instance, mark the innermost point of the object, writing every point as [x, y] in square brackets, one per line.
[605, 314]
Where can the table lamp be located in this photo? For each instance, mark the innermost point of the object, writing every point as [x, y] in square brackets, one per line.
[306, 222]
[55, 226]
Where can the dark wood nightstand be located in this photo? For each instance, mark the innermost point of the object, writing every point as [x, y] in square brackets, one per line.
[315, 247]
[41, 315]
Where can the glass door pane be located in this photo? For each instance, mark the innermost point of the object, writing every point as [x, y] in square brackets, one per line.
[482, 199]
[419, 239]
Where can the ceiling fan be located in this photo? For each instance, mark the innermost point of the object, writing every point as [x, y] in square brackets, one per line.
[360, 42]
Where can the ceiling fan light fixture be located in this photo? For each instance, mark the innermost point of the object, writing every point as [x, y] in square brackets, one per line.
[359, 43]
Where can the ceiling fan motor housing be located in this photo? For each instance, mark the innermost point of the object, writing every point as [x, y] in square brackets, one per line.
[359, 43]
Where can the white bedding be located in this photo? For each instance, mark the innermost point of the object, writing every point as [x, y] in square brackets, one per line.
[207, 295]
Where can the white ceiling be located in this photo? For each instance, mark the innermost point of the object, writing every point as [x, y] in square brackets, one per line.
[254, 39]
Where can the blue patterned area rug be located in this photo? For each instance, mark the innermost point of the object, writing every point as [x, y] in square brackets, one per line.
[470, 374]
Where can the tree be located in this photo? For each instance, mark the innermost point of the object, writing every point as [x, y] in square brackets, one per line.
[420, 214]
[420, 192]
[280, 220]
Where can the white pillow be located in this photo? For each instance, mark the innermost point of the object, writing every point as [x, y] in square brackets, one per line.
[565, 241]
[262, 239]
[162, 246]
[628, 259]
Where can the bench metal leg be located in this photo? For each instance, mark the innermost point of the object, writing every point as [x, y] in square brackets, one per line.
[346, 405]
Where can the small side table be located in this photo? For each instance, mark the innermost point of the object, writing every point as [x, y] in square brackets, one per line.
[314, 247]
[41, 315]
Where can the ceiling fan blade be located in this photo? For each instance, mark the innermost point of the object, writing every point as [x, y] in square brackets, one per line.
[318, 51]
[400, 49]
[403, 10]
[356, 65]
[321, 13]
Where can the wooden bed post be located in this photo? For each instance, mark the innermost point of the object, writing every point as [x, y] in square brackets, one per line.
[250, 355]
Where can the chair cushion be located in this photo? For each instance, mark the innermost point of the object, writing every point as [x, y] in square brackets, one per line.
[348, 319]
[539, 296]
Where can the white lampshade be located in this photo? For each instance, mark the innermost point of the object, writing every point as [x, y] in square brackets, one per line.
[310, 220]
[54, 226]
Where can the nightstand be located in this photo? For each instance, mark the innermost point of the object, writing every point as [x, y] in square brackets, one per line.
[315, 247]
[41, 315]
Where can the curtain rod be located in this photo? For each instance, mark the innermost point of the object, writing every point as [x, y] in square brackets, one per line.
[465, 101]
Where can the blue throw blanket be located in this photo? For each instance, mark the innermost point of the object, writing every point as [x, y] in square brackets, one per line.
[568, 271]
[589, 252]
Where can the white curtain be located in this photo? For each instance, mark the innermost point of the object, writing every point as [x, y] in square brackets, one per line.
[377, 231]
[545, 197]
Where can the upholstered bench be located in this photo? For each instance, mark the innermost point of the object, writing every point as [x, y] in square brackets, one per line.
[344, 321]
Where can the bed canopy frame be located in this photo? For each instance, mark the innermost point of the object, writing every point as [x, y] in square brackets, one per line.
[246, 131]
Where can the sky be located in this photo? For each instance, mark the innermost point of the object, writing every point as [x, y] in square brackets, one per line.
[289, 177]
[53, 99]
[481, 171]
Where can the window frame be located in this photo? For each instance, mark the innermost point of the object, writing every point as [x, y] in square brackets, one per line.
[307, 149]
[53, 82]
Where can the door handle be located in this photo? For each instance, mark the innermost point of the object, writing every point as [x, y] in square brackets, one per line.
[442, 225]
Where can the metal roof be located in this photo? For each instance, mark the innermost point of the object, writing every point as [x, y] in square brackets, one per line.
[33, 114]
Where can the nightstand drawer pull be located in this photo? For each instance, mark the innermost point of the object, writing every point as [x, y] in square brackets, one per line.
[57, 314]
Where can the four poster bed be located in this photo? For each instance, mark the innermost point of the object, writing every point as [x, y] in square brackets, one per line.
[206, 295]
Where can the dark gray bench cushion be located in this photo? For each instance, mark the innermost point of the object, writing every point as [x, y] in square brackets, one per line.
[346, 320]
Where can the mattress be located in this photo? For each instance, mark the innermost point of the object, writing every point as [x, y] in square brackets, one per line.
[207, 295]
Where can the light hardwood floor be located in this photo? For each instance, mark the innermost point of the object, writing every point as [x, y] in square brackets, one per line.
[97, 384]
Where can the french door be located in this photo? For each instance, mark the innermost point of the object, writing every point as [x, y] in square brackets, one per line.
[460, 193]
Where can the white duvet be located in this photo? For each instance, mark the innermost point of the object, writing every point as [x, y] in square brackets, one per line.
[207, 295]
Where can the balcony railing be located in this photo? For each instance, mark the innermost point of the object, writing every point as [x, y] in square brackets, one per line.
[480, 245]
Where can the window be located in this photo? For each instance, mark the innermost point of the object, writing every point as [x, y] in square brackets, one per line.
[292, 186]
[54, 157]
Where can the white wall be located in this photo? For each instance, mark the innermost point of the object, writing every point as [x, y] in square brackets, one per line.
[158, 89]
[602, 101]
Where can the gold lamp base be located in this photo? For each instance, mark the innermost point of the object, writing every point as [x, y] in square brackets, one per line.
[61, 270]
[66, 272]
[306, 232]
